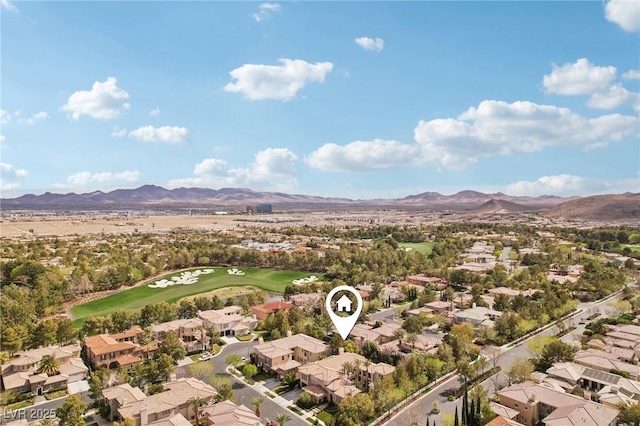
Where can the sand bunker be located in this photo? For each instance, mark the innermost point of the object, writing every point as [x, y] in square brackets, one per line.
[234, 271]
[308, 280]
[185, 278]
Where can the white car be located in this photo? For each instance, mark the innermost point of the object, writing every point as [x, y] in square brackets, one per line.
[205, 357]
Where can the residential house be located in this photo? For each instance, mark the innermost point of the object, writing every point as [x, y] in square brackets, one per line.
[226, 413]
[263, 311]
[306, 299]
[115, 350]
[426, 281]
[383, 334]
[176, 420]
[418, 311]
[477, 315]
[606, 361]
[424, 343]
[327, 378]
[171, 401]
[538, 404]
[19, 374]
[191, 331]
[287, 354]
[440, 307]
[228, 321]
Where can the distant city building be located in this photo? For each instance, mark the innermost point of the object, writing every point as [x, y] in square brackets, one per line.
[263, 208]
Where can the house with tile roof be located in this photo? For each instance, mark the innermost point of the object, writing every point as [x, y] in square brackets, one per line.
[263, 311]
[19, 374]
[226, 413]
[287, 354]
[537, 404]
[228, 321]
[190, 331]
[327, 378]
[173, 400]
[115, 350]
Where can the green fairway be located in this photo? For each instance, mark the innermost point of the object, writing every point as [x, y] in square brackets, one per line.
[424, 247]
[136, 298]
[633, 247]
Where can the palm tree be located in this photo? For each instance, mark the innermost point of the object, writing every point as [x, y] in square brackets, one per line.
[49, 366]
[196, 402]
[282, 418]
[347, 367]
[399, 334]
[367, 364]
[257, 402]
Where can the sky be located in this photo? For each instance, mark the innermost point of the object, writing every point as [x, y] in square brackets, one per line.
[347, 99]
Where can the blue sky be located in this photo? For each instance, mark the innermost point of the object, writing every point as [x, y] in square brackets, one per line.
[351, 99]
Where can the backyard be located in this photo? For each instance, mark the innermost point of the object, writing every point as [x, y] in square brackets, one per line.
[138, 297]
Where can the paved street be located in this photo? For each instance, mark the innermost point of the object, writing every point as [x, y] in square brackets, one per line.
[419, 410]
[43, 410]
[244, 393]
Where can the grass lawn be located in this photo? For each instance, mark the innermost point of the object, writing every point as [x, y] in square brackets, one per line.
[327, 418]
[634, 248]
[423, 247]
[245, 338]
[138, 297]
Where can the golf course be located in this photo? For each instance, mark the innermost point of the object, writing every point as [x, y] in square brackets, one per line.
[138, 297]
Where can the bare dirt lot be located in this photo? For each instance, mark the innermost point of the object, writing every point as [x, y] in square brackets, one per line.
[59, 225]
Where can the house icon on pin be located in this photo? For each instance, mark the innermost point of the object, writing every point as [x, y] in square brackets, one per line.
[344, 304]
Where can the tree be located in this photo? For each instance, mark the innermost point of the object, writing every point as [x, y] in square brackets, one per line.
[257, 402]
[249, 371]
[371, 350]
[66, 331]
[128, 421]
[290, 379]
[49, 366]
[172, 346]
[355, 410]
[11, 342]
[165, 366]
[556, 351]
[629, 414]
[536, 345]
[234, 359]
[46, 333]
[72, 411]
[223, 385]
[201, 370]
[619, 308]
[520, 370]
[196, 402]
[282, 418]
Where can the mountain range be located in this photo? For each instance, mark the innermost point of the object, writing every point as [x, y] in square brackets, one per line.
[152, 197]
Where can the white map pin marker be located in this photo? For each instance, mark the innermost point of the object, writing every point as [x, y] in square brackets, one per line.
[344, 325]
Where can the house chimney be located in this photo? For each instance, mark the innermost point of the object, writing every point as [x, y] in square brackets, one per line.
[534, 397]
[473, 305]
[144, 417]
[260, 340]
[340, 350]
[289, 334]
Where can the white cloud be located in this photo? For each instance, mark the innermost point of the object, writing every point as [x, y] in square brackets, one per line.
[118, 132]
[35, 118]
[279, 82]
[155, 112]
[497, 128]
[493, 128]
[613, 97]
[579, 78]
[6, 116]
[84, 178]
[624, 13]
[367, 43]
[631, 75]
[7, 5]
[265, 10]
[164, 134]
[361, 156]
[10, 176]
[273, 168]
[566, 185]
[105, 101]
